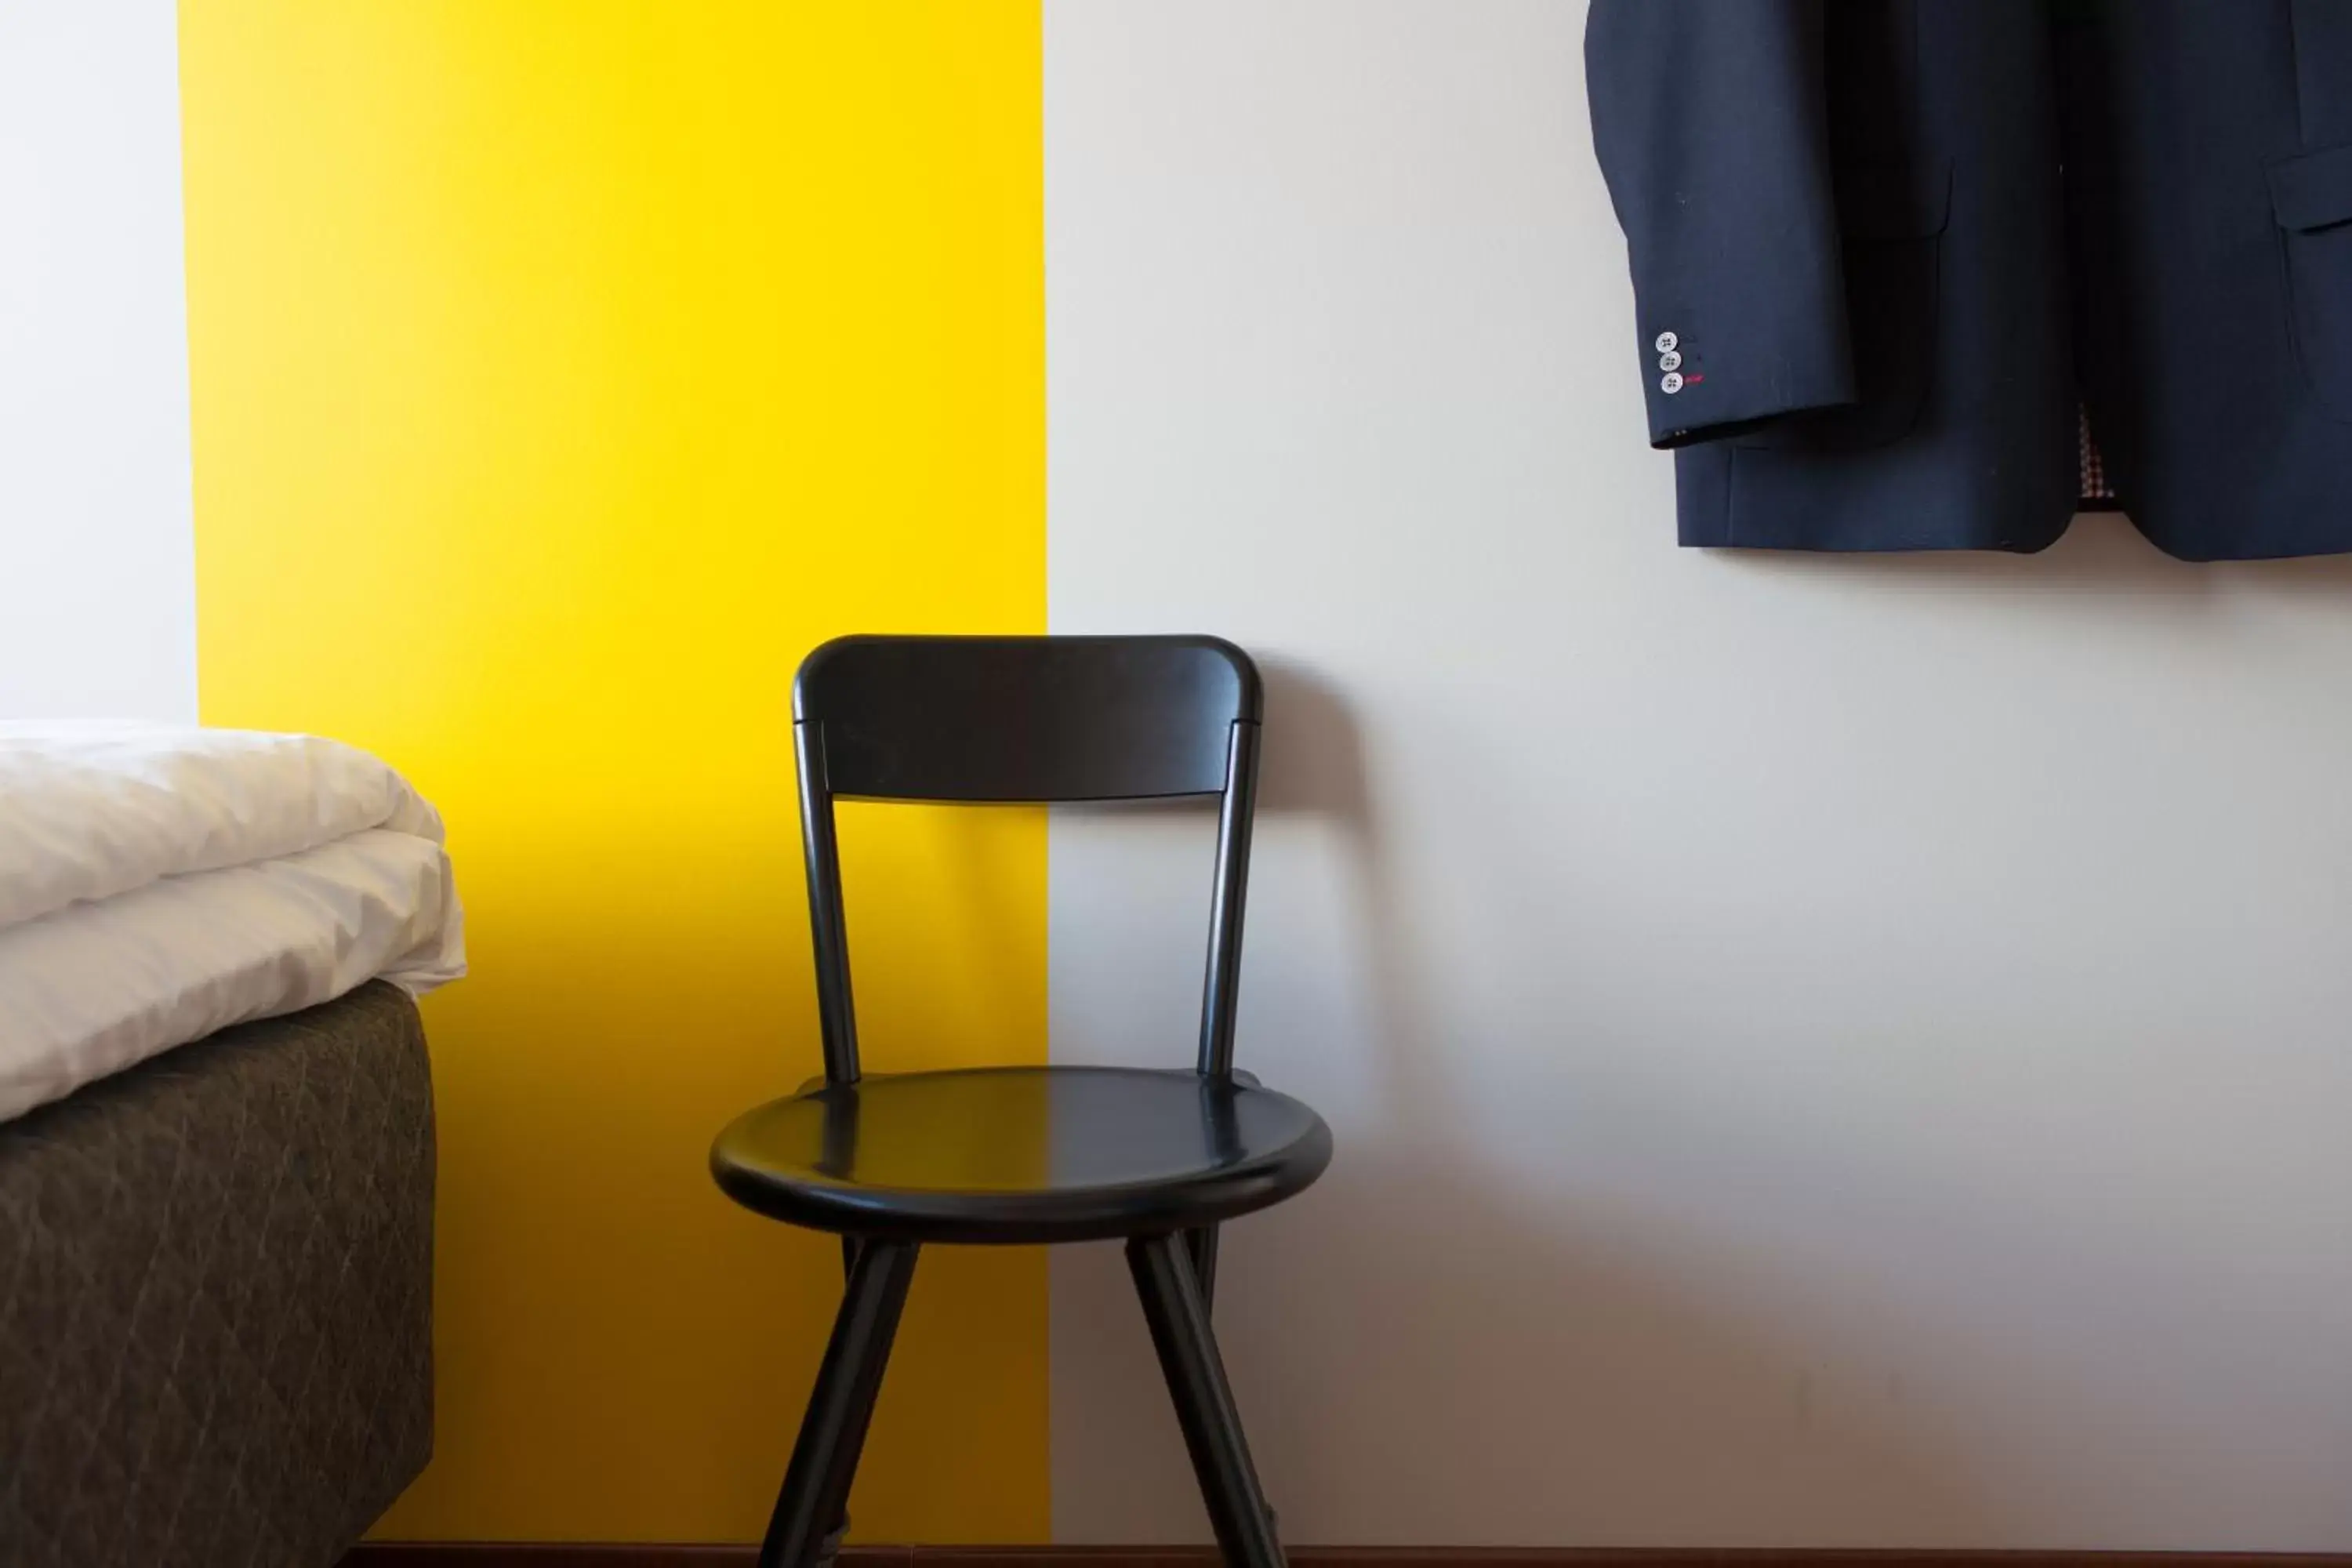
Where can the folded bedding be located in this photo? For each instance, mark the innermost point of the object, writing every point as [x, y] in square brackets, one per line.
[158, 884]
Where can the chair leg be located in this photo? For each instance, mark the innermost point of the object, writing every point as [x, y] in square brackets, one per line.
[824, 1458]
[1204, 1245]
[828, 1549]
[1162, 1266]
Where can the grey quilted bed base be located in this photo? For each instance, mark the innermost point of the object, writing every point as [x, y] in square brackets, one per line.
[215, 1298]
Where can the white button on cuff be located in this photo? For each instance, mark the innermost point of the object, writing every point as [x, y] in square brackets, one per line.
[1670, 361]
[1671, 383]
[1668, 342]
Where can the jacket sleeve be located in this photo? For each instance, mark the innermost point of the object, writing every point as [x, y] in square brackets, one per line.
[1712, 129]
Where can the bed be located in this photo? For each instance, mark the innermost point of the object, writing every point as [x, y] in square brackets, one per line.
[216, 1210]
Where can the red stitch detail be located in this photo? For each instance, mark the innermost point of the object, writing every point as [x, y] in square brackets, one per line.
[1693, 380]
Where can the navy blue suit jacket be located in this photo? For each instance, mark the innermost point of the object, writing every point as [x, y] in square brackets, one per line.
[1884, 250]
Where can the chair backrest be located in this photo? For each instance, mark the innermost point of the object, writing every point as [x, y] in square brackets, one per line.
[1001, 720]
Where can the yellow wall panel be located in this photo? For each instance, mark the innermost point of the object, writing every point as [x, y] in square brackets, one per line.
[562, 372]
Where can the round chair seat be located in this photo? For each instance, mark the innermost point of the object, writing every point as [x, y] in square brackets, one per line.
[1020, 1154]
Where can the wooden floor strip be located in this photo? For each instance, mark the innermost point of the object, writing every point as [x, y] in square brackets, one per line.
[580, 1554]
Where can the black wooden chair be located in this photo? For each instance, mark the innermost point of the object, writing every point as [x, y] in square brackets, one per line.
[1008, 1155]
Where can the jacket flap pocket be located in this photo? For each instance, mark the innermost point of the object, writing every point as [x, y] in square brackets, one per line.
[1893, 201]
[2314, 190]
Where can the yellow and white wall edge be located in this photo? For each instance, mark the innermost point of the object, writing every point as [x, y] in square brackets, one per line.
[1823, 1053]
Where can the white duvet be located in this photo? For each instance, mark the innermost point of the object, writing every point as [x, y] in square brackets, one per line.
[157, 884]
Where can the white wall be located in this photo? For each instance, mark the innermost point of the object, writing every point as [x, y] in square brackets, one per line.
[1825, 1051]
[97, 559]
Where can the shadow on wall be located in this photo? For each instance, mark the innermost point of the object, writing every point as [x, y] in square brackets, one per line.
[2100, 557]
[1460, 1288]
